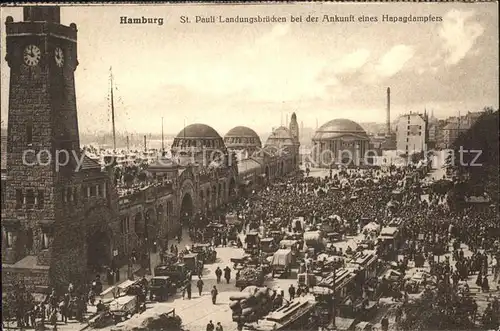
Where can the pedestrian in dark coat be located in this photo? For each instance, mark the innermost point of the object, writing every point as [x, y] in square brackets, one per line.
[227, 274]
[214, 294]
[199, 285]
[218, 274]
[188, 290]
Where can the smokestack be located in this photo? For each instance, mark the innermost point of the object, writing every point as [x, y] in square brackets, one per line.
[145, 146]
[388, 120]
[128, 144]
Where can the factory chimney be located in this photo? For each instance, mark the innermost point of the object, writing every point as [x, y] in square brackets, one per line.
[145, 144]
[388, 119]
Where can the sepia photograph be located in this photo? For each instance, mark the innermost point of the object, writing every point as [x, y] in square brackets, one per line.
[250, 167]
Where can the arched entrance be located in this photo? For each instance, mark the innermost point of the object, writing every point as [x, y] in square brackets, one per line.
[186, 207]
[98, 251]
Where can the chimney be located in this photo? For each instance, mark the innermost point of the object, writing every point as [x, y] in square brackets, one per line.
[128, 143]
[145, 146]
[388, 119]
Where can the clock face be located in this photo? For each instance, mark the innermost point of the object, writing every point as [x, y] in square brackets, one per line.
[31, 55]
[59, 57]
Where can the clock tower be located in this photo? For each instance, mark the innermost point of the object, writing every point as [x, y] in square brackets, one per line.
[42, 122]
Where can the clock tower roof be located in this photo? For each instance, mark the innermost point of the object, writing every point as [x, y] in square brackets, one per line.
[51, 14]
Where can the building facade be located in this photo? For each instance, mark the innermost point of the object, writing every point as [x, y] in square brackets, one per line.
[61, 223]
[51, 210]
[411, 135]
[340, 141]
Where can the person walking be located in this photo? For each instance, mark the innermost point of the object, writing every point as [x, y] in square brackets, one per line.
[219, 327]
[227, 274]
[218, 274]
[214, 293]
[188, 290]
[291, 292]
[210, 326]
[199, 285]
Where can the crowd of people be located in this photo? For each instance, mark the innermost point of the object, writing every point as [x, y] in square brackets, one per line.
[429, 226]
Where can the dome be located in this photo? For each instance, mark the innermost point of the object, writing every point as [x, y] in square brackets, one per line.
[242, 137]
[338, 128]
[242, 131]
[197, 130]
[198, 136]
[281, 137]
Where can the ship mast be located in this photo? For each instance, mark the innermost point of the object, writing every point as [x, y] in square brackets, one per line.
[112, 108]
[162, 141]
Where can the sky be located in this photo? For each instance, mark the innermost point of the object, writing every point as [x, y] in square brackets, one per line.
[226, 75]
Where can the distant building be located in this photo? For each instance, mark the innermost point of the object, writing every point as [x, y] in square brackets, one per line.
[451, 132]
[456, 125]
[411, 135]
[340, 141]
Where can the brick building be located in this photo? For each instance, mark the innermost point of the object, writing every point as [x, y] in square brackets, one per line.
[50, 213]
[59, 223]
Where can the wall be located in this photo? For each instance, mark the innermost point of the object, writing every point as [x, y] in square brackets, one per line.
[411, 134]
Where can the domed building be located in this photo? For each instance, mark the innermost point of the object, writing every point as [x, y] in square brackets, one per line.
[242, 140]
[340, 141]
[198, 142]
[282, 138]
[283, 145]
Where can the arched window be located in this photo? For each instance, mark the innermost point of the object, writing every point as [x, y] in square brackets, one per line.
[29, 239]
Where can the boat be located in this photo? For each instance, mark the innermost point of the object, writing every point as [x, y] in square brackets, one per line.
[298, 314]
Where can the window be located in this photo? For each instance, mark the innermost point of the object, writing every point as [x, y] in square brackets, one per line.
[19, 198]
[9, 238]
[29, 132]
[3, 195]
[408, 128]
[420, 133]
[30, 198]
[41, 199]
[99, 191]
[29, 239]
[124, 225]
[93, 190]
[69, 195]
[45, 240]
[407, 139]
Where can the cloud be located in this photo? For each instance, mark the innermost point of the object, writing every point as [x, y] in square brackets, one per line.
[278, 31]
[351, 62]
[394, 60]
[459, 34]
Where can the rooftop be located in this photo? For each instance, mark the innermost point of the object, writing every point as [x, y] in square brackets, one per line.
[339, 127]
